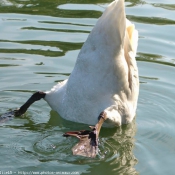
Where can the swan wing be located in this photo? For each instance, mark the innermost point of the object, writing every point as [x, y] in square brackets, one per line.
[104, 70]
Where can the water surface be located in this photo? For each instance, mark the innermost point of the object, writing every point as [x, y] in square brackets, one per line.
[39, 44]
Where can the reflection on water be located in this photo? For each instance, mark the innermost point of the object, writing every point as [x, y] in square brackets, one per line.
[39, 43]
[48, 145]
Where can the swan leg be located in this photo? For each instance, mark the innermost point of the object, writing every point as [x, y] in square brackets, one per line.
[88, 139]
[16, 113]
[35, 97]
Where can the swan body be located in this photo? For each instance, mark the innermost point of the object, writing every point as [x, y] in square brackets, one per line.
[105, 76]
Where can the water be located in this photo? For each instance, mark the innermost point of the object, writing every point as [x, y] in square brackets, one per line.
[39, 43]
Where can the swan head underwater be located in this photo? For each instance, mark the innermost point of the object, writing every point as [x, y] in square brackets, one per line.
[103, 86]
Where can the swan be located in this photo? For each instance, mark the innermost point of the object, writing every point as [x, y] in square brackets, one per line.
[103, 86]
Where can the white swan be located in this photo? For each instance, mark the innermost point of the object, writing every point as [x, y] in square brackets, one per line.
[104, 83]
[105, 76]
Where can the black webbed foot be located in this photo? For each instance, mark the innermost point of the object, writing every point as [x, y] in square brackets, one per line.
[76, 133]
[88, 142]
[7, 116]
[88, 139]
[35, 97]
[93, 137]
[18, 112]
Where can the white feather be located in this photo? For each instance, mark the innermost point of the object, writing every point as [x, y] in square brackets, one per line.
[105, 76]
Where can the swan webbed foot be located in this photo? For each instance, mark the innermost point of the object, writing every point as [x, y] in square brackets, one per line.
[88, 139]
[35, 97]
[10, 115]
[88, 142]
[7, 116]
[18, 112]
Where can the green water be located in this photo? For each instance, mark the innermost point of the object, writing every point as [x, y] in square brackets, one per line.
[39, 43]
